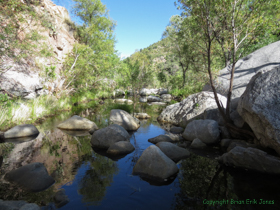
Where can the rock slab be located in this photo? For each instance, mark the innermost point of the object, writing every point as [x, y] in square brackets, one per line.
[105, 137]
[154, 164]
[33, 177]
[21, 131]
[124, 119]
[251, 158]
[172, 151]
[259, 106]
[206, 130]
[190, 108]
[77, 123]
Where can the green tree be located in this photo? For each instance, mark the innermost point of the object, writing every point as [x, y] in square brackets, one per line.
[233, 25]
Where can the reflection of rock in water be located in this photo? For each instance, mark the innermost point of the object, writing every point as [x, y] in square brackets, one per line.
[166, 126]
[97, 178]
[60, 153]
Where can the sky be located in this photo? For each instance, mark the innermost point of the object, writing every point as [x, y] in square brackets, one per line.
[140, 23]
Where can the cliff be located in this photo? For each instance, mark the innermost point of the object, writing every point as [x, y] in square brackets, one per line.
[30, 76]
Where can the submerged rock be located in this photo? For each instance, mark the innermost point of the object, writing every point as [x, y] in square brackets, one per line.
[33, 177]
[124, 119]
[18, 205]
[105, 137]
[77, 123]
[172, 151]
[154, 164]
[121, 148]
[251, 158]
[21, 131]
[60, 198]
[206, 130]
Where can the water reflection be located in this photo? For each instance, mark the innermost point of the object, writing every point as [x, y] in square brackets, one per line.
[97, 178]
[21, 139]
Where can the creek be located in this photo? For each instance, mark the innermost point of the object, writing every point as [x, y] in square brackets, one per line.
[94, 181]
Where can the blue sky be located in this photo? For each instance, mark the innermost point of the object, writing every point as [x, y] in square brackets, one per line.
[139, 23]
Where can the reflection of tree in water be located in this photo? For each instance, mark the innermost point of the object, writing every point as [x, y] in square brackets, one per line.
[202, 178]
[137, 152]
[100, 175]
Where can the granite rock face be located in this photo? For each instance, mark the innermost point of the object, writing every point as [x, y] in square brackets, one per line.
[191, 108]
[259, 107]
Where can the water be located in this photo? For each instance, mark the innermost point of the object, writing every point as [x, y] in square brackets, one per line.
[94, 181]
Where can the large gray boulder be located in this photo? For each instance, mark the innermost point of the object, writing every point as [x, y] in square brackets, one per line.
[265, 58]
[190, 108]
[259, 106]
[121, 148]
[153, 99]
[206, 130]
[33, 177]
[124, 119]
[21, 131]
[105, 137]
[251, 158]
[154, 164]
[162, 91]
[172, 151]
[176, 130]
[77, 123]
[197, 144]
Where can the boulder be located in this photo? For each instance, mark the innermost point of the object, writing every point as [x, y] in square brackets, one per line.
[18, 205]
[142, 115]
[206, 130]
[162, 91]
[33, 177]
[172, 151]
[143, 99]
[190, 108]
[197, 144]
[252, 159]
[154, 164]
[105, 137]
[160, 138]
[158, 103]
[77, 123]
[265, 58]
[213, 113]
[123, 101]
[118, 93]
[146, 92]
[176, 130]
[175, 137]
[259, 107]
[237, 119]
[153, 99]
[121, 148]
[166, 96]
[240, 143]
[21, 131]
[124, 119]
